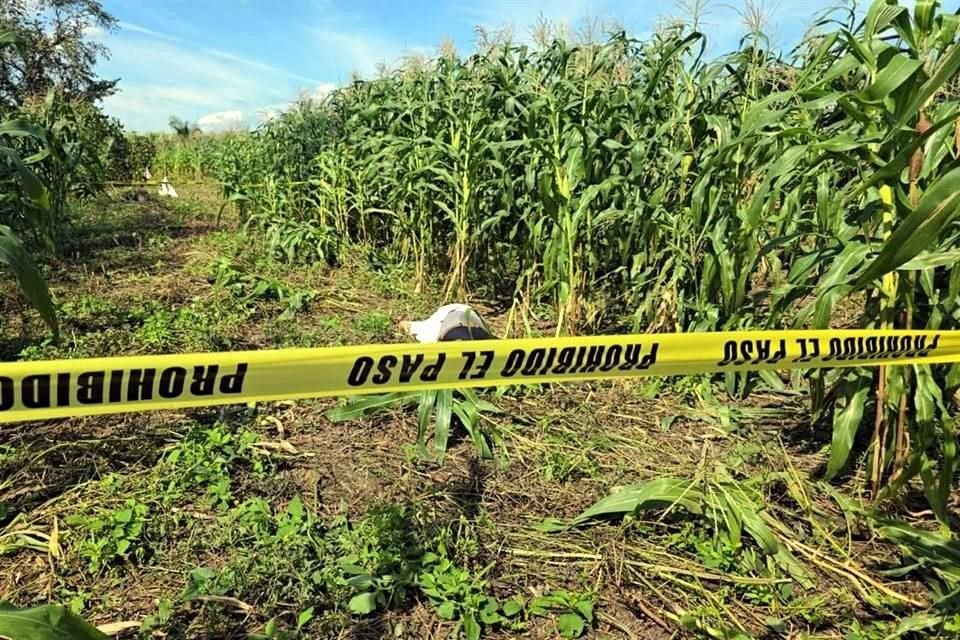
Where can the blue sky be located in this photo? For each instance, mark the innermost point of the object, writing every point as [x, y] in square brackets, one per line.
[227, 62]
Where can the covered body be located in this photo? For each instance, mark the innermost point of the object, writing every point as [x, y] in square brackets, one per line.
[450, 322]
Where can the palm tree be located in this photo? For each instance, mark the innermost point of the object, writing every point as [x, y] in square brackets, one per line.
[183, 128]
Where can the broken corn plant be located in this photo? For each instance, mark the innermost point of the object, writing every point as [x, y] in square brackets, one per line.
[733, 509]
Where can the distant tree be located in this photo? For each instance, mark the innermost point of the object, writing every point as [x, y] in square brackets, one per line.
[61, 49]
[183, 128]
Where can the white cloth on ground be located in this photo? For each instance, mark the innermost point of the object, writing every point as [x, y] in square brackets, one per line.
[445, 319]
[166, 189]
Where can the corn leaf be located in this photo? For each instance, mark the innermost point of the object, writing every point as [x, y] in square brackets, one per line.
[897, 71]
[847, 417]
[443, 418]
[367, 405]
[936, 209]
[15, 256]
[656, 494]
[946, 68]
[46, 622]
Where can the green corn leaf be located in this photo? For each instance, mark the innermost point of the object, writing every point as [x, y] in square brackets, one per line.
[948, 30]
[930, 413]
[929, 548]
[33, 187]
[758, 529]
[929, 259]
[880, 15]
[234, 197]
[923, 14]
[677, 47]
[900, 161]
[425, 409]
[849, 63]
[656, 494]
[46, 622]
[732, 516]
[467, 414]
[859, 49]
[831, 284]
[938, 206]
[21, 127]
[904, 28]
[853, 391]
[442, 427]
[946, 68]
[480, 404]
[912, 625]
[950, 465]
[15, 256]
[939, 147]
[366, 405]
[842, 143]
[898, 70]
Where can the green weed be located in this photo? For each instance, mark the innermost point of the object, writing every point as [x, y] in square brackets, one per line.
[249, 287]
[572, 455]
[108, 535]
[293, 240]
[202, 325]
[205, 459]
[374, 326]
[575, 611]
[458, 594]
[86, 308]
[377, 558]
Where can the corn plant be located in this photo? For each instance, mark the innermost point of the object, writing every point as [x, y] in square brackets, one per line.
[899, 129]
[442, 405]
[24, 201]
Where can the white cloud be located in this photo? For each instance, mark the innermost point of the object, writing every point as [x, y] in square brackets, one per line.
[168, 64]
[222, 121]
[135, 28]
[154, 104]
[361, 52]
[161, 77]
[232, 57]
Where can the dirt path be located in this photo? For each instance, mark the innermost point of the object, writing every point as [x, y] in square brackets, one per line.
[209, 523]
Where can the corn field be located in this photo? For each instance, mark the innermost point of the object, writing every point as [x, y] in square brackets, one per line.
[622, 183]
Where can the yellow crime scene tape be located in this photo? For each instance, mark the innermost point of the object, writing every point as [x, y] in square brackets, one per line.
[83, 387]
